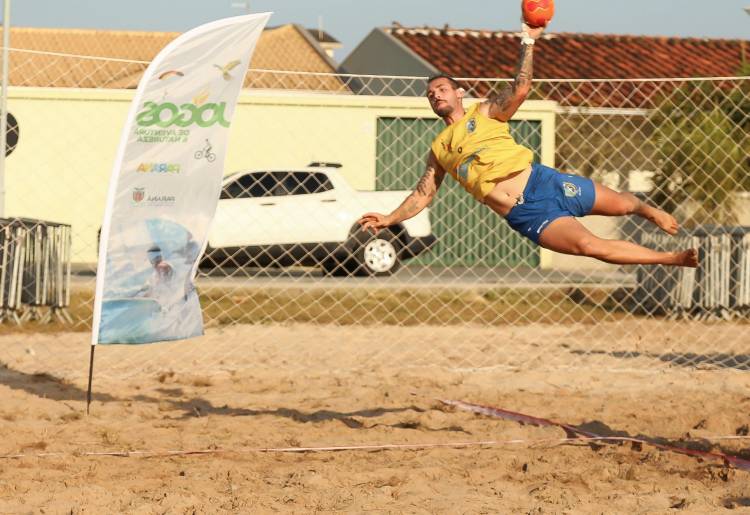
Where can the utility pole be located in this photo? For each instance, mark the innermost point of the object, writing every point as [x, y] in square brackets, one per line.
[4, 102]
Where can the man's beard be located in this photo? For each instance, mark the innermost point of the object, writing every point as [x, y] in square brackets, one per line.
[444, 110]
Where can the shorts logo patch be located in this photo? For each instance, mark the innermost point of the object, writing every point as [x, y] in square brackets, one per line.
[471, 125]
[571, 190]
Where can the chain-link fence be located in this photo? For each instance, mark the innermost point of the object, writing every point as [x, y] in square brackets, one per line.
[309, 153]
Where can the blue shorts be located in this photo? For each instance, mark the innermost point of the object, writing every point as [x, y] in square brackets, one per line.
[550, 195]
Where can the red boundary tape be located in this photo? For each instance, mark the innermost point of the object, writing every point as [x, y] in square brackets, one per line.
[574, 432]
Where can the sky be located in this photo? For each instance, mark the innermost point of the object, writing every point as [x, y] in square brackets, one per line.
[350, 21]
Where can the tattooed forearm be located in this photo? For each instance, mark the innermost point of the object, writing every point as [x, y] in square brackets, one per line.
[412, 207]
[525, 67]
[507, 100]
[429, 182]
[409, 208]
[425, 183]
[439, 176]
[422, 195]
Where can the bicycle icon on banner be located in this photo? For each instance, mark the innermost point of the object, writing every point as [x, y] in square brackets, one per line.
[206, 152]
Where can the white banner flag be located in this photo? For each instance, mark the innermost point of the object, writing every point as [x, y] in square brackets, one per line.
[166, 182]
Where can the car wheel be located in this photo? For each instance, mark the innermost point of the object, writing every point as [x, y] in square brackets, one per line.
[375, 255]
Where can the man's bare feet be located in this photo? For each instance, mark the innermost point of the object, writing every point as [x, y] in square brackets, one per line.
[688, 258]
[661, 219]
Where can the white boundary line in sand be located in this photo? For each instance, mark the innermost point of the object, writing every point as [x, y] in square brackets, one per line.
[340, 448]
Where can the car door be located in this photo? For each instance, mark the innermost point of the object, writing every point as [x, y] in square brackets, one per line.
[310, 205]
[246, 214]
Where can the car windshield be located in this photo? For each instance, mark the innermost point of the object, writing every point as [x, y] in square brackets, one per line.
[267, 184]
[252, 185]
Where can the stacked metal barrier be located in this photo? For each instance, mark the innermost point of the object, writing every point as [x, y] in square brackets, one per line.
[743, 286]
[718, 288]
[34, 270]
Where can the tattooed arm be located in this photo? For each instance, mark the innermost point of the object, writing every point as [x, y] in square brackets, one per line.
[419, 199]
[503, 104]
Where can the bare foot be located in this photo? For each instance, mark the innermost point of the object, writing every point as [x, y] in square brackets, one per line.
[663, 220]
[687, 257]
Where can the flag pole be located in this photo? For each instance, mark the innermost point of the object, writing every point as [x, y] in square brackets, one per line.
[91, 375]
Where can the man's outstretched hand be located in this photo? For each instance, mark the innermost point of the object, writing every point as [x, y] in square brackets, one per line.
[533, 32]
[374, 222]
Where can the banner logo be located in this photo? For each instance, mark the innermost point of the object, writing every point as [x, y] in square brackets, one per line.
[140, 198]
[170, 73]
[138, 195]
[167, 114]
[227, 68]
[206, 152]
[161, 168]
[201, 97]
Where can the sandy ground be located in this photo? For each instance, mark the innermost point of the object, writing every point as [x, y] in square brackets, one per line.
[240, 389]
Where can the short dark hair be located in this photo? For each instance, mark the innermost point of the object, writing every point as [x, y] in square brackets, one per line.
[450, 79]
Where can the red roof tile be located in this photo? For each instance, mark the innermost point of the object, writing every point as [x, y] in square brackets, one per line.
[473, 53]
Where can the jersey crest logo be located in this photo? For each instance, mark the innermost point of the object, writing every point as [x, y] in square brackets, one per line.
[571, 190]
[471, 125]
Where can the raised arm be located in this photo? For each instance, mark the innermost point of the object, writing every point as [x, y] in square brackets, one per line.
[419, 199]
[504, 104]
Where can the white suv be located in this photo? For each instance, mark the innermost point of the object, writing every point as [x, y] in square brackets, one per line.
[307, 217]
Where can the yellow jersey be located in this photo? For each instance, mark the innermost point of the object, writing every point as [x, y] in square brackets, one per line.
[478, 151]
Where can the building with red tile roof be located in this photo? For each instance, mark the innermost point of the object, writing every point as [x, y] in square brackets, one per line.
[427, 51]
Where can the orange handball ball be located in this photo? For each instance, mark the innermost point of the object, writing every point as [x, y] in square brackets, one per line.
[537, 13]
